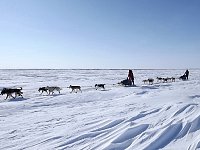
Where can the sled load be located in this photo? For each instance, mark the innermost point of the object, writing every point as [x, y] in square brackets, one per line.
[125, 82]
[183, 77]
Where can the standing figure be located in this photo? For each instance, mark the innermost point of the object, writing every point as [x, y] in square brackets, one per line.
[186, 74]
[131, 77]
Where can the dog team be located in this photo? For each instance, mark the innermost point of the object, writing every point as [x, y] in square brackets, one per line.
[165, 80]
[159, 80]
[14, 92]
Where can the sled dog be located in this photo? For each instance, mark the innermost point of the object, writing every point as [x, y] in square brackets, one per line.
[9, 92]
[99, 86]
[43, 89]
[52, 89]
[75, 88]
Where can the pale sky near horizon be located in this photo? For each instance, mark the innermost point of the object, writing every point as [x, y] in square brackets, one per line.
[99, 34]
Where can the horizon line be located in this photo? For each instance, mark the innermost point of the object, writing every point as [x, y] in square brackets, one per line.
[101, 69]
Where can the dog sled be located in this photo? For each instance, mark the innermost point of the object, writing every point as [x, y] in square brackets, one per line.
[126, 83]
[183, 77]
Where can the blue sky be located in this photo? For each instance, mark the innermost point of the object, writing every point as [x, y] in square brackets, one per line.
[101, 34]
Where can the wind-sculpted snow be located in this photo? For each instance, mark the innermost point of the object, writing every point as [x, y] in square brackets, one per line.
[166, 137]
[127, 137]
[184, 108]
[142, 117]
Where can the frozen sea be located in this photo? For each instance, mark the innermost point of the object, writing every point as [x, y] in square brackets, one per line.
[145, 117]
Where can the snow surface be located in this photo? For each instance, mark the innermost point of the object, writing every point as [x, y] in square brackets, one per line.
[149, 117]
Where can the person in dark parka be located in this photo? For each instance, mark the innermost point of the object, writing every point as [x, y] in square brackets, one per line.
[186, 74]
[131, 77]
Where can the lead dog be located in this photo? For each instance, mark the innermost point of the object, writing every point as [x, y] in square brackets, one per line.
[75, 88]
[99, 86]
[9, 92]
[51, 89]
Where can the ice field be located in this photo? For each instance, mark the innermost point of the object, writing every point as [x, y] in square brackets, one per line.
[145, 117]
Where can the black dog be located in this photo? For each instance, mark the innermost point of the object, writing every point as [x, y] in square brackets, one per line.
[99, 86]
[43, 89]
[150, 80]
[9, 92]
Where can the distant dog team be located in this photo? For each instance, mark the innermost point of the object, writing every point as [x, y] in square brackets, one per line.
[159, 80]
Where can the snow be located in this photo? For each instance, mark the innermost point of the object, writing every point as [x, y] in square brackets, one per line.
[159, 116]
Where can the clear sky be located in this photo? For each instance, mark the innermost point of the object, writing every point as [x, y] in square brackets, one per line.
[101, 34]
